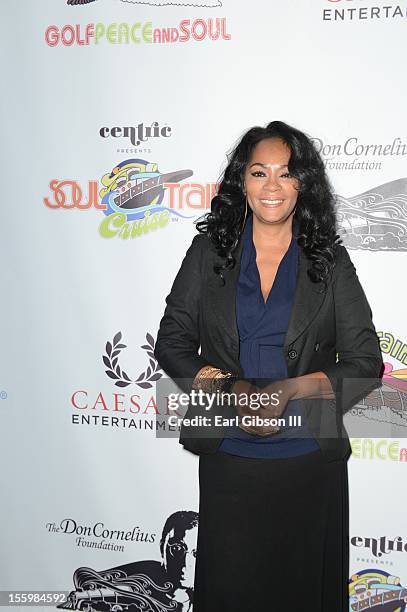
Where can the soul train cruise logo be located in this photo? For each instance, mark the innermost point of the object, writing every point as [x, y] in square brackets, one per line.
[375, 590]
[135, 197]
[145, 585]
[133, 194]
[376, 219]
[341, 11]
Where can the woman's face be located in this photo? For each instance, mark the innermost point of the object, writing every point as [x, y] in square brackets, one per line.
[271, 192]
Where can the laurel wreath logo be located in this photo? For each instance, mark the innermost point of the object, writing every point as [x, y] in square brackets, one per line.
[121, 378]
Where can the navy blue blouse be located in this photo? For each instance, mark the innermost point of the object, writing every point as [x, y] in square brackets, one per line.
[262, 328]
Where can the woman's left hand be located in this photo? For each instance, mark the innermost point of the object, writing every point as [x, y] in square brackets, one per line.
[280, 393]
[273, 401]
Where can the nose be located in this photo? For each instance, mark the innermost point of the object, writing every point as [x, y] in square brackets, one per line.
[272, 184]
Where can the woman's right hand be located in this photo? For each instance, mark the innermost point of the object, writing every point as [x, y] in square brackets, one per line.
[244, 389]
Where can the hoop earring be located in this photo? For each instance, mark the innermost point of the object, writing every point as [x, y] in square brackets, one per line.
[245, 215]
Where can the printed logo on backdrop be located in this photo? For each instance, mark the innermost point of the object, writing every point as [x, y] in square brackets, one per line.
[376, 590]
[99, 536]
[124, 410]
[202, 3]
[135, 197]
[341, 11]
[121, 379]
[136, 135]
[210, 29]
[383, 413]
[381, 547]
[78, 2]
[352, 154]
[147, 585]
[206, 3]
[376, 219]
[134, 192]
[377, 449]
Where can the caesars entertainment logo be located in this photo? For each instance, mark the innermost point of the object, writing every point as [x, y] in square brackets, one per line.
[211, 29]
[376, 590]
[152, 585]
[121, 408]
[341, 11]
[376, 219]
[134, 198]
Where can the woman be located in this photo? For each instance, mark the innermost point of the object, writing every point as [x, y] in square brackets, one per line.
[274, 303]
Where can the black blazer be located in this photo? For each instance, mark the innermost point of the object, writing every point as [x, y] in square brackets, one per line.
[199, 328]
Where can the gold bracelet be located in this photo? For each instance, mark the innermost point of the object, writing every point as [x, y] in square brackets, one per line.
[200, 381]
[210, 379]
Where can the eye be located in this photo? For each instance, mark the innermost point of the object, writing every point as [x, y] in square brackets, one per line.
[258, 173]
[177, 549]
[286, 175]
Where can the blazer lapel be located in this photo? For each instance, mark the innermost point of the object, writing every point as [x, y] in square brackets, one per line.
[223, 296]
[308, 299]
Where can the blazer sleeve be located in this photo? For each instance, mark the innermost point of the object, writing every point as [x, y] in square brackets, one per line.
[178, 338]
[359, 366]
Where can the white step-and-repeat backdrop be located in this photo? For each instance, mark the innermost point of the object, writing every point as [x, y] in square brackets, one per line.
[100, 96]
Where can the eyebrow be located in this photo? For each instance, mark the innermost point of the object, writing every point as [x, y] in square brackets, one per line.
[268, 165]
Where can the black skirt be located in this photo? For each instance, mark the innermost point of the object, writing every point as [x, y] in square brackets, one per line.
[273, 534]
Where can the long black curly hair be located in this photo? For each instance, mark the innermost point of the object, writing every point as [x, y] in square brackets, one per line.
[314, 212]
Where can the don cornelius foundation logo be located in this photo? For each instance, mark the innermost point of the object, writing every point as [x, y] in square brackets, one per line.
[99, 536]
[146, 585]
